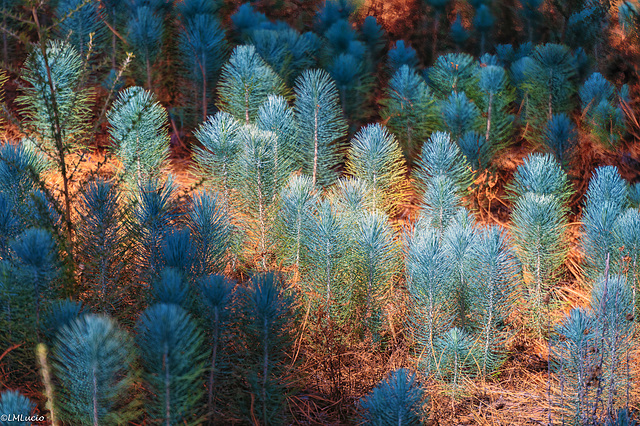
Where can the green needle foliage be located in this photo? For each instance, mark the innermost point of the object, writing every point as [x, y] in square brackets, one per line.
[495, 99]
[151, 218]
[539, 228]
[101, 247]
[352, 197]
[13, 403]
[324, 260]
[612, 306]
[575, 362]
[542, 175]
[57, 124]
[36, 265]
[455, 362]
[172, 362]
[459, 240]
[204, 49]
[266, 335]
[245, 83]
[92, 362]
[20, 170]
[604, 118]
[257, 189]
[138, 130]
[376, 263]
[211, 230]
[298, 200]
[441, 157]
[627, 235]
[170, 288]
[145, 32]
[217, 156]
[460, 115]
[275, 116]
[410, 109]
[81, 23]
[376, 158]
[217, 296]
[431, 307]
[442, 177]
[397, 400]
[321, 125]
[549, 84]
[494, 281]
[606, 200]
[454, 72]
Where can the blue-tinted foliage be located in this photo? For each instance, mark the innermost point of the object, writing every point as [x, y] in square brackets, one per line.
[172, 363]
[81, 24]
[401, 54]
[13, 403]
[560, 137]
[396, 400]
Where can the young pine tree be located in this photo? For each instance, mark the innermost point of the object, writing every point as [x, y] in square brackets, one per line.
[245, 83]
[204, 49]
[493, 282]
[376, 266]
[138, 129]
[145, 32]
[217, 297]
[217, 156]
[92, 362]
[298, 200]
[265, 330]
[172, 364]
[396, 400]
[409, 109]
[605, 201]
[604, 118]
[454, 72]
[101, 247]
[321, 125]
[211, 233]
[376, 158]
[560, 137]
[549, 84]
[432, 309]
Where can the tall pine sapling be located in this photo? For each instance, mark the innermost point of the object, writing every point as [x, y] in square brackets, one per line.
[92, 360]
[265, 329]
[410, 109]
[604, 118]
[172, 363]
[493, 291]
[376, 158]
[320, 125]
[217, 296]
[145, 32]
[298, 200]
[245, 83]
[56, 109]
[560, 137]
[101, 247]
[138, 129]
[217, 155]
[204, 48]
[605, 201]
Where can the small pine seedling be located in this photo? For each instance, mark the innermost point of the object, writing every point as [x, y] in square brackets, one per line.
[396, 400]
